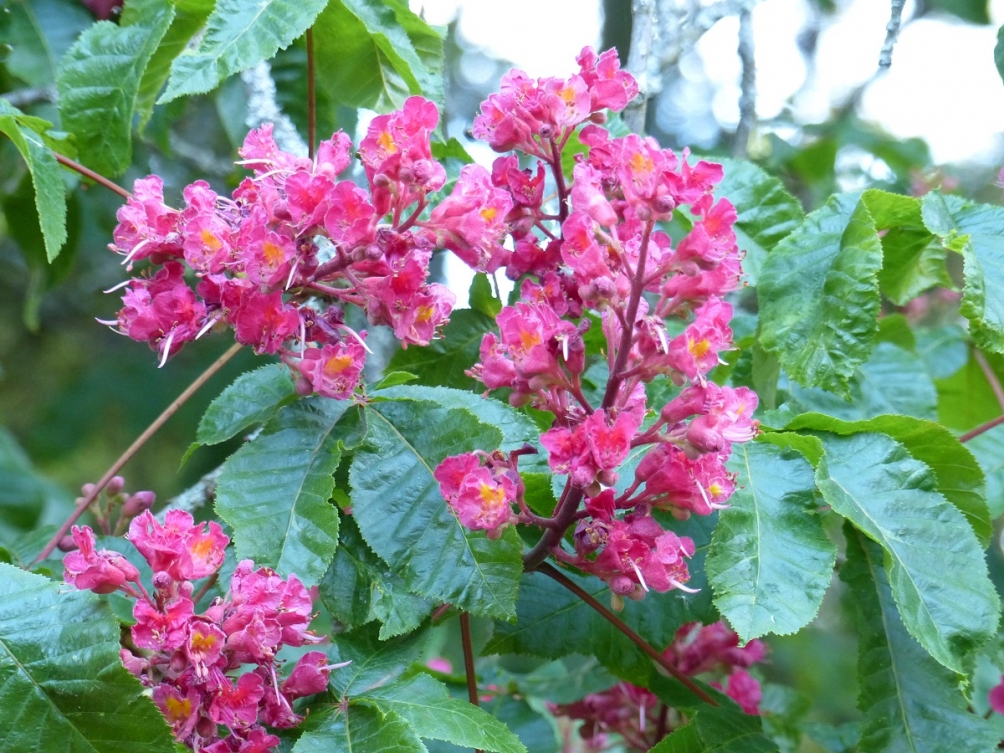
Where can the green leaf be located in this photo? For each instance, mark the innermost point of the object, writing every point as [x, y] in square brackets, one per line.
[359, 587]
[770, 562]
[444, 361]
[50, 195]
[871, 480]
[482, 298]
[99, 80]
[957, 473]
[357, 729]
[189, 17]
[25, 494]
[375, 662]
[966, 398]
[975, 230]
[892, 380]
[374, 54]
[942, 349]
[553, 622]
[402, 515]
[909, 701]
[819, 297]
[988, 448]
[239, 35]
[252, 399]
[275, 490]
[999, 52]
[766, 212]
[39, 34]
[62, 684]
[427, 706]
[451, 149]
[721, 729]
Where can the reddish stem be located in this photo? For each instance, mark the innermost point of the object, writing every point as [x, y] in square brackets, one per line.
[88, 173]
[311, 96]
[618, 623]
[981, 429]
[472, 680]
[988, 372]
[126, 456]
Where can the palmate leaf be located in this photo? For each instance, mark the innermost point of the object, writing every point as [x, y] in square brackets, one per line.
[99, 79]
[239, 35]
[50, 195]
[721, 729]
[274, 491]
[375, 662]
[62, 685]
[427, 706]
[770, 561]
[375, 54]
[935, 563]
[818, 294]
[402, 515]
[909, 701]
[330, 729]
[766, 212]
[957, 474]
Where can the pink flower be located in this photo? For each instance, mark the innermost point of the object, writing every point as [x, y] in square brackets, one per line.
[236, 705]
[204, 646]
[334, 370]
[695, 352]
[179, 547]
[481, 497]
[162, 629]
[182, 710]
[147, 226]
[996, 697]
[742, 688]
[609, 87]
[309, 676]
[102, 571]
[263, 321]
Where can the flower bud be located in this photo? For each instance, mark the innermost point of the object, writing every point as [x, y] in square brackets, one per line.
[621, 585]
[599, 118]
[607, 477]
[303, 386]
[87, 490]
[137, 503]
[115, 486]
[66, 544]
[422, 170]
[546, 131]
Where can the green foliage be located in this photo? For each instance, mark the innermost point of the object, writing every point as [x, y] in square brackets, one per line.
[375, 54]
[274, 491]
[444, 361]
[239, 35]
[770, 562]
[766, 212]
[333, 730]
[39, 33]
[909, 701]
[99, 80]
[402, 515]
[66, 689]
[50, 196]
[252, 399]
[359, 588]
[721, 729]
[819, 297]
[871, 480]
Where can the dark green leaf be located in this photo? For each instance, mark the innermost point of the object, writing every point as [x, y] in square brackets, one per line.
[403, 517]
[819, 297]
[966, 398]
[251, 399]
[770, 562]
[50, 195]
[482, 298]
[974, 11]
[62, 684]
[766, 212]
[359, 587]
[275, 490]
[99, 80]
[942, 349]
[444, 361]
[910, 702]
[935, 564]
[239, 35]
[892, 380]
[39, 34]
[356, 729]
[721, 729]
[374, 662]
[427, 706]
[957, 474]
[988, 448]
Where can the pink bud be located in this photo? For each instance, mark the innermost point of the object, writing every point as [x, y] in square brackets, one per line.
[116, 485]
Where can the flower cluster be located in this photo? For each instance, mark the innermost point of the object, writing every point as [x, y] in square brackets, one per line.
[604, 255]
[480, 495]
[196, 663]
[636, 714]
[280, 259]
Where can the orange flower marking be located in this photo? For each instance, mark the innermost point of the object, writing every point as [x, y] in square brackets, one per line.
[386, 142]
[489, 213]
[177, 709]
[491, 496]
[210, 241]
[698, 348]
[337, 364]
[272, 253]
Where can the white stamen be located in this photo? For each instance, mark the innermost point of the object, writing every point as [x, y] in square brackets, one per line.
[303, 337]
[167, 350]
[676, 584]
[135, 248]
[704, 494]
[641, 577]
[117, 287]
[330, 667]
[107, 322]
[564, 348]
[356, 335]
[662, 339]
[292, 273]
[722, 362]
[206, 327]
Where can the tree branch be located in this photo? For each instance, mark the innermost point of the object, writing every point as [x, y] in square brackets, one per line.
[891, 32]
[88, 173]
[747, 97]
[311, 97]
[644, 34]
[472, 680]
